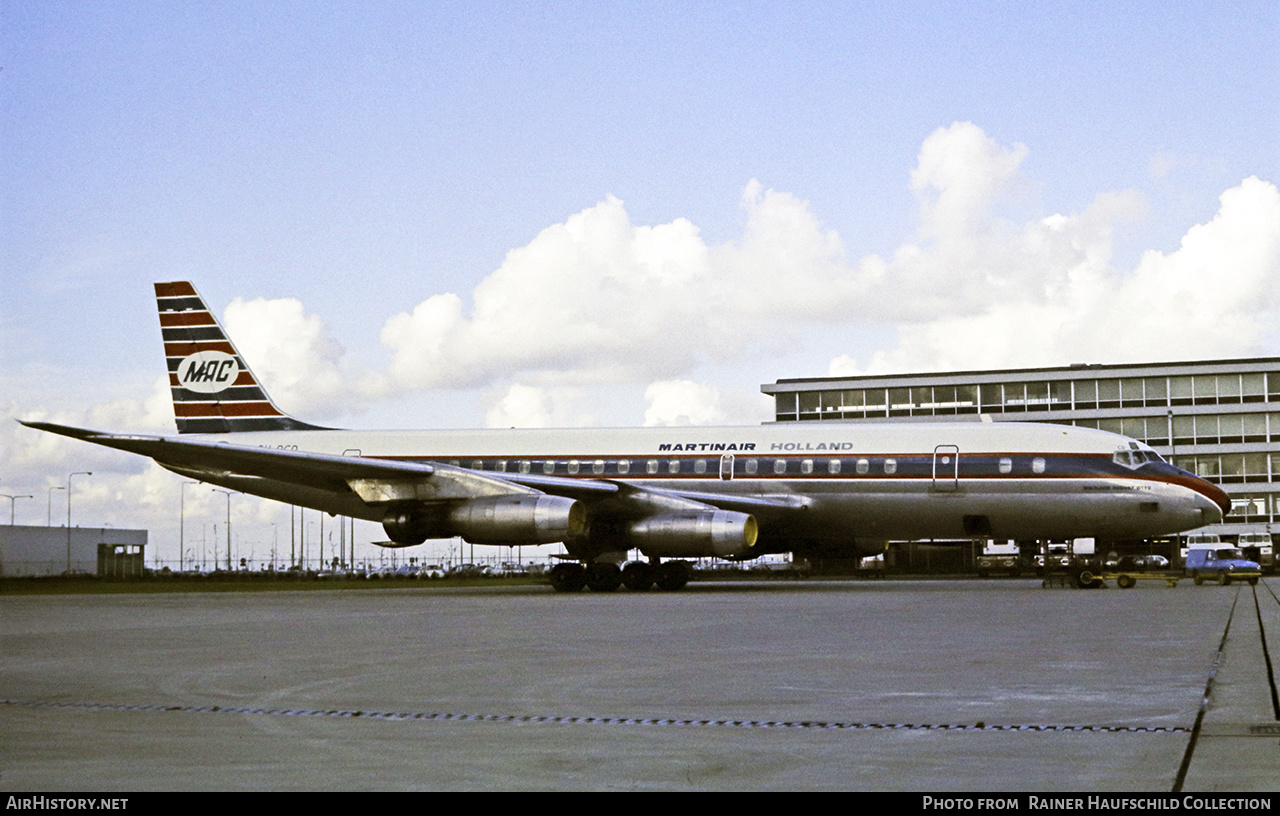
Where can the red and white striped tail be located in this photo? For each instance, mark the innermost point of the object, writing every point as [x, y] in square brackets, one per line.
[213, 389]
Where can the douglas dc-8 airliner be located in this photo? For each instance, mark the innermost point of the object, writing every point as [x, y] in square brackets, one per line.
[670, 493]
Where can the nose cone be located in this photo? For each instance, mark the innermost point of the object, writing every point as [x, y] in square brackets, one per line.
[1217, 502]
[1213, 501]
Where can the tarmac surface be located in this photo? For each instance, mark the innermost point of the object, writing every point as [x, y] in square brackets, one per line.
[895, 685]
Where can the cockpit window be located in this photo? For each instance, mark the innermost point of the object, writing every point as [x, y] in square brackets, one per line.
[1134, 458]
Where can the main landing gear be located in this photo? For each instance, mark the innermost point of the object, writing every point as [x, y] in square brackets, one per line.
[636, 576]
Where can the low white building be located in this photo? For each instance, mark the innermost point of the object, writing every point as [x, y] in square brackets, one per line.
[40, 551]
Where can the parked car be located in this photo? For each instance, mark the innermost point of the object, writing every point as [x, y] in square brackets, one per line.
[468, 571]
[1141, 563]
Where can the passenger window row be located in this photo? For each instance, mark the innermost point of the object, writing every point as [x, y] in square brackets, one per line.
[742, 466]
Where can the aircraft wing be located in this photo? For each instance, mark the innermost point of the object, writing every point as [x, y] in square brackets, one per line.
[370, 478]
[485, 506]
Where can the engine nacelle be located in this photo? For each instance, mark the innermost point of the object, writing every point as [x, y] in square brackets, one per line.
[693, 534]
[520, 519]
[410, 526]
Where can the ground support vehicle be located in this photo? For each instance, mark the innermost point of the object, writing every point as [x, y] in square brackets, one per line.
[1127, 580]
[1221, 564]
[1257, 547]
[999, 565]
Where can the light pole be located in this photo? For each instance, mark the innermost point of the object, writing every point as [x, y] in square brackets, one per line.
[12, 501]
[182, 522]
[228, 492]
[49, 521]
[69, 475]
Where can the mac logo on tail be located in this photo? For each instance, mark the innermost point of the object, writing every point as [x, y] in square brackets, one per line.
[208, 372]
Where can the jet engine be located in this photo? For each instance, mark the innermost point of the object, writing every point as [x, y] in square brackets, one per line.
[518, 519]
[695, 534]
[521, 519]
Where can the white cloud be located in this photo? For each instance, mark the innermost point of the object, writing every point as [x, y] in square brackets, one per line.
[292, 354]
[598, 300]
[682, 402]
[523, 406]
[592, 300]
[1216, 296]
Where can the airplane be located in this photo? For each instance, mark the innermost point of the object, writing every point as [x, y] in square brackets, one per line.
[672, 493]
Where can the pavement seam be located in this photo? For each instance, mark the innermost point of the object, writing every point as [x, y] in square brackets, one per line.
[590, 720]
[1266, 652]
[1185, 766]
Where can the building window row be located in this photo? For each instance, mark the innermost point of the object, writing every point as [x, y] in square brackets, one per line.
[1205, 429]
[1253, 509]
[1057, 395]
[1232, 468]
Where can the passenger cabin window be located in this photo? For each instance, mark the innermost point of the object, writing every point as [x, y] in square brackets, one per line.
[501, 466]
[477, 464]
[573, 466]
[597, 466]
[833, 466]
[549, 467]
[700, 466]
[1037, 465]
[624, 465]
[1006, 464]
[806, 466]
[779, 466]
[651, 467]
[752, 467]
[673, 466]
[891, 466]
[863, 466]
[525, 464]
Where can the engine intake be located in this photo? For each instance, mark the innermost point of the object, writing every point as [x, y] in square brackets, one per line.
[693, 534]
[410, 526]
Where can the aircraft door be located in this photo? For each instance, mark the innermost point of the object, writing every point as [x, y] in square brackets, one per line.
[946, 469]
[726, 467]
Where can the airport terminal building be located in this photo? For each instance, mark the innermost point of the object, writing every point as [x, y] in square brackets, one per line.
[1219, 419]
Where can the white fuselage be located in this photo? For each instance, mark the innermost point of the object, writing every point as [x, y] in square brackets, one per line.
[864, 483]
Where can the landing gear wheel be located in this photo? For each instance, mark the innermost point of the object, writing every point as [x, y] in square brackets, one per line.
[568, 577]
[672, 575]
[603, 577]
[637, 576]
[1126, 581]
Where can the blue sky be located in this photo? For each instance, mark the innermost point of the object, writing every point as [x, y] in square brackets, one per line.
[830, 187]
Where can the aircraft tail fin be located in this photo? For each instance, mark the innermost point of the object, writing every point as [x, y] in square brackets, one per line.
[213, 389]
